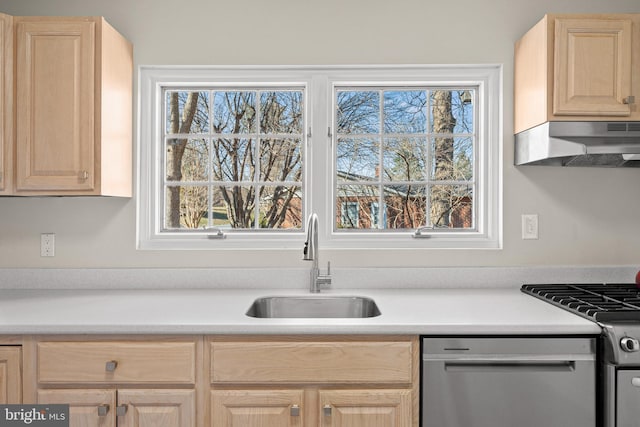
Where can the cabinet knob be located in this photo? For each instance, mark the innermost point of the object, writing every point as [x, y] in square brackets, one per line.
[84, 175]
[121, 410]
[111, 366]
[629, 100]
[103, 410]
[326, 410]
[295, 410]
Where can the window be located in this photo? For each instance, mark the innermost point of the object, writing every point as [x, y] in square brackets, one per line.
[239, 157]
[412, 151]
[233, 159]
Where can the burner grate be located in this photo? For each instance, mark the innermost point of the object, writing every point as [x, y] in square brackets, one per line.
[599, 302]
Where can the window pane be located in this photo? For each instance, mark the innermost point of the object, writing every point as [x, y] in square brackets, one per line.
[219, 209]
[186, 207]
[187, 160]
[353, 206]
[233, 159]
[281, 112]
[280, 160]
[234, 112]
[405, 159]
[451, 111]
[358, 112]
[357, 159]
[462, 107]
[405, 111]
[452, 159]
[451, 206]
[463, 159]
[405, 206]
[239, 203]
[187, 112]
[281, 207]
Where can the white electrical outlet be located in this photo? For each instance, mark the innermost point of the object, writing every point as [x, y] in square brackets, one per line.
[47, 244]
[529, 226]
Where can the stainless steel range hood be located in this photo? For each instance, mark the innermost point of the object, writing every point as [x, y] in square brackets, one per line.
[606, 144]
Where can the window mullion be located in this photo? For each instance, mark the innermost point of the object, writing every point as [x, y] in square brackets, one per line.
[381, 149]
[256, 154]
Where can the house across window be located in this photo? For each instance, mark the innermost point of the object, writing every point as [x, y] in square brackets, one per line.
[410, 150]
[233, 158]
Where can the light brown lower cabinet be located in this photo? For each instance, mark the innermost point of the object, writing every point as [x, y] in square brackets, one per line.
[223, 381]
[264, 408]
[365, 408]
[334, 408]
[314, 382]
[120, 382]
[10, 375]
[125, 408]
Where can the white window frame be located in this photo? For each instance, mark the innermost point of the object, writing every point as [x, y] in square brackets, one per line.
[318, 181]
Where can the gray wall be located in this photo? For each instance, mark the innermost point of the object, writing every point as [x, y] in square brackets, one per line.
[587, 216]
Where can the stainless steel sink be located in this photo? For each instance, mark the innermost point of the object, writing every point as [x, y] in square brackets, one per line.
[314, 307]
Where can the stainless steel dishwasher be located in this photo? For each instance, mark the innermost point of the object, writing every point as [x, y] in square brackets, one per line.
[508, 382]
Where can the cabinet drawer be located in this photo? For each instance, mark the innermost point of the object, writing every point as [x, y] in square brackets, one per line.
[116, 362]
[311, 362]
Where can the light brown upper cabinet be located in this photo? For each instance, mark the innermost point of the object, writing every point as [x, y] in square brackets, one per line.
[6, 102]
[578, 67]
[73, 109]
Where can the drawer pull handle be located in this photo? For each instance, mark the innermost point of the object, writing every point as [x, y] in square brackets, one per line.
[111, 366]
[121, 410]
[629, 100]
[326, 410]
[103, 410]
[84, 175]
[295, 410]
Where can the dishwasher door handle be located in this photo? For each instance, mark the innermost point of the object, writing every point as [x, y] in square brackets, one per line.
[509, 365]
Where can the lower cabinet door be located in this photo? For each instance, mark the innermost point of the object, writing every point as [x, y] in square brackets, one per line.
[156, 408]
[125, 408]
[365, 408]
[87, 408]
[10, 377]
[256, 408]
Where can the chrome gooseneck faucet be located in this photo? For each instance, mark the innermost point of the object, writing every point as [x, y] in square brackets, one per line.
[317, 280]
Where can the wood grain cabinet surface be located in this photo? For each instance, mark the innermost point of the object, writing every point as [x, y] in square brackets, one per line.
[10, 375]
[138, 382]
[226, 381]
[578, 67]
[73, 109]
[6, 103]
[319, 382]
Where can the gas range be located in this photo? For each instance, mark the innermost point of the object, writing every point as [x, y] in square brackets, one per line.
[616, 308]
[608, 302]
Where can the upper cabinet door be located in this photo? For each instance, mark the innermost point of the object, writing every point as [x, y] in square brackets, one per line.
[6, 99]
[592, 67]
[55, 104]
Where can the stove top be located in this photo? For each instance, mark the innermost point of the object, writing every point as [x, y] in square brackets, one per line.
[610, 302]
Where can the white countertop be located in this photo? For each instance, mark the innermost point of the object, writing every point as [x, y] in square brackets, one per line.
[484, 311]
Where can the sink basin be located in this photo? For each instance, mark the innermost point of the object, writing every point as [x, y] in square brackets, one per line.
[314, 307]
